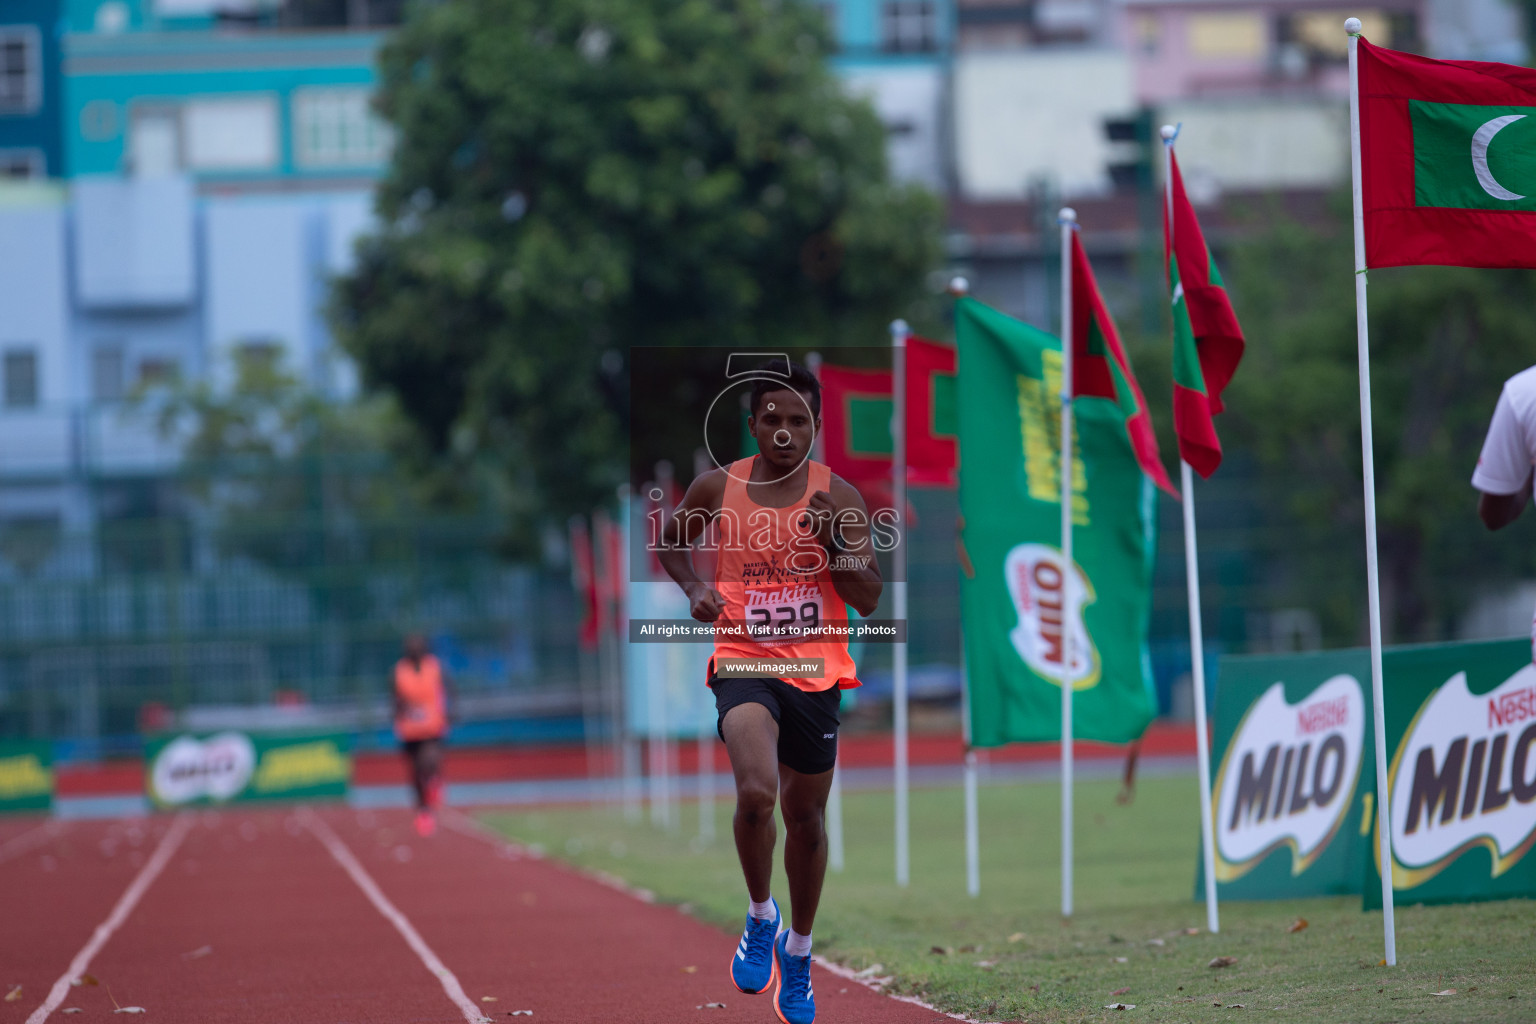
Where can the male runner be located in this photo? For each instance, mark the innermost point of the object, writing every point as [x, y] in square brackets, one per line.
[795, 546]
[1504, 472]
[421, 722]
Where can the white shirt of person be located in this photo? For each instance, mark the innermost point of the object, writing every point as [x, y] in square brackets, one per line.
[1509, 451]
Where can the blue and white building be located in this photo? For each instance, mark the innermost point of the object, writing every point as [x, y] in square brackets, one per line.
[202, 184]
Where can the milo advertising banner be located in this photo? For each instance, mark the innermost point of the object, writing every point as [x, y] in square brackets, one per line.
[1461, 729]
[228, 766]
[1292, 761]
[26, 775]
[1021, 597]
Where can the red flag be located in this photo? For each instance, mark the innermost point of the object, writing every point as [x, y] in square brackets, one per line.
[584, 580]
[1207, 341]
[1447, 171]
[856, 418]
[933, 442]
[1100, 368]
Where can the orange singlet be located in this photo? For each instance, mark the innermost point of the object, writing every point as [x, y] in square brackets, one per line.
[770, 572]
[420, 689]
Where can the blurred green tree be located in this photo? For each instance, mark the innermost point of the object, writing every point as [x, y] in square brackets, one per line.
[1444, 339]
[574, 179]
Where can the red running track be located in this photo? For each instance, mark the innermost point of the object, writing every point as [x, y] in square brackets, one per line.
[276, 916]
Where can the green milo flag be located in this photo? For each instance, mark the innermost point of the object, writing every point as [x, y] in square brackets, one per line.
[1020, 596]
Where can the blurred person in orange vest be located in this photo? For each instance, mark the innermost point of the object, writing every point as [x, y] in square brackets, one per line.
[421, 723]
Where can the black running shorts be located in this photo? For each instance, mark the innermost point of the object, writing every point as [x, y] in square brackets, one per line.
[807, 721]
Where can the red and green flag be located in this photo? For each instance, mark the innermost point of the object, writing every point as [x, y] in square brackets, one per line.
[1100, 368]
[856, 419]
[1447, 161]
[1207, 341]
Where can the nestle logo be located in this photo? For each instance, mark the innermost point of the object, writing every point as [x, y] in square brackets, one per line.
[1324, 715]
[1512, 708]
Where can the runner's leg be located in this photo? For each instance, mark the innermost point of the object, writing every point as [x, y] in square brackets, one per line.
[804, 799]
[431, 773]
[413, 756]
[752, 742]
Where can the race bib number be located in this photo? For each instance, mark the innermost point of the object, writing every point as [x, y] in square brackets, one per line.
[784, 615]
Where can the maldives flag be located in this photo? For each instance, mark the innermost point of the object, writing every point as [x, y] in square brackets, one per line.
[856, 419]
[1207, 341]
[1447, 161]
[1101, 370]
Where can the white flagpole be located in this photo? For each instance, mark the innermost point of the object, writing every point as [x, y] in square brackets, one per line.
[960, 286]
[1068, 221]
[899, 332]
[834, 812]
[972, 824]
[1196, 627]
[1368, 463]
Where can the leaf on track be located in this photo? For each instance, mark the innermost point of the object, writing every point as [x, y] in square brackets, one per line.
[690, 969]
[1222, 961]
[1120, 991]
[1121, 1006]
[941, 950]
[1297, 925]
[85, 979]
[71, 1009]
[1447, 992]
[487, 999]
[1016, 937]
[130, 1009]
[198, 953]
[710, 1006]
[519, 1013]
[13, 995]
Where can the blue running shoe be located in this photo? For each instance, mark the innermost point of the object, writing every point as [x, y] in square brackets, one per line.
[793, 1000]
[752, 966]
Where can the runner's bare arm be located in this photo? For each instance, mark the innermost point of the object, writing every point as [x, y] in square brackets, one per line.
[855, 569]
[700, 504]
[1499, 510]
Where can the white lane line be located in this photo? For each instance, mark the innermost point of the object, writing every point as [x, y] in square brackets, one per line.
[130, 898]
[30, 840]
[381, 903]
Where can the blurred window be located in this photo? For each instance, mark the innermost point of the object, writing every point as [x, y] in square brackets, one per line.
[1229, 35]
[21, 78]
[234, 134]
[20, 378]
[157, 371]
[909, 26]
[1145, 32]
[23, 163]
[338, 128]
[107, 373]
[154, 142]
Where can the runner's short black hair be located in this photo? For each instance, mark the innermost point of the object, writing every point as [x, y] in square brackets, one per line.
[799, 380]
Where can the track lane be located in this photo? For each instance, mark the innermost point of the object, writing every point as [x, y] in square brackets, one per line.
[538, 936]
[257, 924]
[56, 888]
